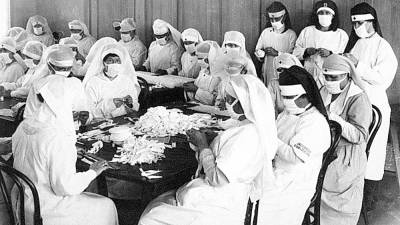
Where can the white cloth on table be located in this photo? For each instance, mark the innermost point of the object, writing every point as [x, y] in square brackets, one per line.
[377, 65]
[311, 37]
[281, 42]
[303, 140]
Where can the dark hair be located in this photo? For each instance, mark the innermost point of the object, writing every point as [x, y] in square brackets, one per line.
[109, 55]
[362, 8]
[276, 7]
[314, 16]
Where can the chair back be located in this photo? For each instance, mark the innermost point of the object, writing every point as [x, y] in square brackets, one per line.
[19, 180]
[144, 93]
[374, 127]
[313, 210]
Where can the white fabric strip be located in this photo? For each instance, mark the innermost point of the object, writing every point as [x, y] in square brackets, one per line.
[30, 54]
[291, 90]
[64, 63]
[112, 51]
[75, 27]
[362, 17]
[327, 9]
[333, 72]
[8, 47]
[276, 14]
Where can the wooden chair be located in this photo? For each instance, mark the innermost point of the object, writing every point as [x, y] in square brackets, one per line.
[19, 178]
[373, 129]
[144, 93]
[312, 215]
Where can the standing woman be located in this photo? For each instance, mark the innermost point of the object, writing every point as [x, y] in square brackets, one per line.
[377, 64]
[276, 39]
[321, 39]
[39, 30]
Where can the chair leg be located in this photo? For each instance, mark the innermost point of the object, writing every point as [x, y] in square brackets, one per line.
[255, 216]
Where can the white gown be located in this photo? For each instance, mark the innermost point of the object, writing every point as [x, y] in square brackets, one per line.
[311, 37]
[166, 57]
[238, 155]
[282, 42]
[207, 87]
[287, 200]
[48, 156]
[20, 88]
[101, 91]
[190, 68]
[11, 73]
[377, 65]
[85, 44]
[137, 50]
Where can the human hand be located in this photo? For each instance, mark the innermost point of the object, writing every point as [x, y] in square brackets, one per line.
[197, 138]
[161, 72]
[311, 51]
[100, 166]
[271, 51]
[118, 102]
[140, 68]
[324, 52]
[190, 87]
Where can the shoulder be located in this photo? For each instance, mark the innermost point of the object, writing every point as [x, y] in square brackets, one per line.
[313, 119]
[16, 67]
[266, 30]
[290, 32]
[94, 80]
[342, 32]
[308, 29]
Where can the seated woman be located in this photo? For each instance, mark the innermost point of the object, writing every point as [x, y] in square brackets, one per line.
[80, 33]
[21, 37]
[79, 59]
[236, 164]
[10, 69]
[44, 150]
[283, 61]
[39, 30]
[111, 85]
[347, 104]
[165, 52]
[32, 54]
[191, 38]
[205, 87]
[304, 136]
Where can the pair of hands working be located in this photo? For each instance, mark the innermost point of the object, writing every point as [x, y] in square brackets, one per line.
[201, 138]
[159, 72]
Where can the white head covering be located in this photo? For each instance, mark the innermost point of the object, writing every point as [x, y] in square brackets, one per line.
[63, 57]
[285, 60]
[97, 65]
[127, 24]
[191, 34]
[8, 43]
[38, 20]
[79, 25]
[162, 27]
[237, 38]
[212, 51]
[20, 36]
[34, 49]
[258, 108]
[61, 96]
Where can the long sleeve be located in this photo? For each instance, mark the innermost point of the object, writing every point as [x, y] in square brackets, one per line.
[355, 127]
[11, 86]
[21, 92]
[214, 175]
[175, 60]
[64, 179]
[139, 54]
[99, 108]
[260, 44]
[147, 61]
[300, 45]
[292, 42]
[384, 70]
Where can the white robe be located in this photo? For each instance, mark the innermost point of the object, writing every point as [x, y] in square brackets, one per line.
[238, 154]
[137, 50]
[303, 138]
[166, 57]
[190, 68]
[47, 156]
[311, 37]
[101, 91]
[282, 42]
[46, 39]
[85, 44]
[207, 87]
[11, 72]
[20, 88]
[377, 66]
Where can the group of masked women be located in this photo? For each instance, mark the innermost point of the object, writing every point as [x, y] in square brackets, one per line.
[272, 145]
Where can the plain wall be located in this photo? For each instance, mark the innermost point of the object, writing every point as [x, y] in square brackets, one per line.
[211, 17]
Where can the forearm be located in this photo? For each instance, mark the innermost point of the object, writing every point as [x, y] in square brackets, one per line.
[213, 174]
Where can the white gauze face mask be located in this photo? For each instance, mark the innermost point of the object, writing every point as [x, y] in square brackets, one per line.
[38, 30]
[235, 51]
[362, 31]
[325, 20]
[29, 63]
[126, 37]
[113, 70]
[161, 41]
[333, 87]
[190, 48]
[76, 36]
[291, 106]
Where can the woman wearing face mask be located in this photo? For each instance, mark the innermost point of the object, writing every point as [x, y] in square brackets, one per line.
[21, 37]
[205, 87]
[32, 53]
[130, 40]
[348, 105]
[377, 64]
[79, 60]
[10, 69]
[303, 137]
[165, 52]
[111, 85]
[281, 62]
[234, 44]
[321, 39]
[237, 164]
[39, 30]
[190, 68]
[80, 33]
[276, 39]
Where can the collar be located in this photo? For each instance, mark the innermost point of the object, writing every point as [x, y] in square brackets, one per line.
[338, 105]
